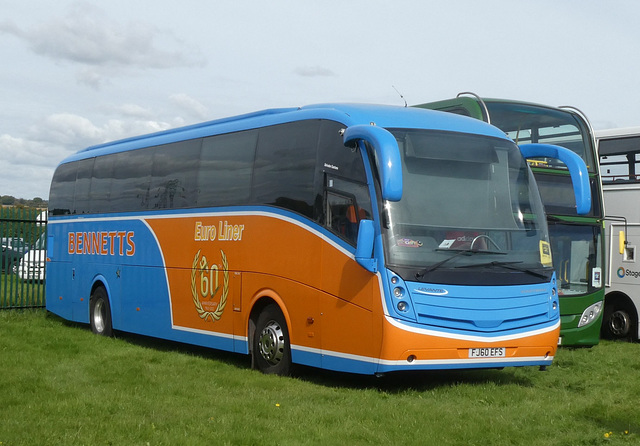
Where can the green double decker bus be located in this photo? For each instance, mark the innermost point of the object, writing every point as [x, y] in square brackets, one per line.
[576, 240]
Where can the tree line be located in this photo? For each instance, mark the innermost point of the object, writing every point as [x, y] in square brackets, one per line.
[37, 202]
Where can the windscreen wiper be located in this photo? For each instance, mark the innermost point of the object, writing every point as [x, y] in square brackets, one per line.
[506, 265]
[458, 253]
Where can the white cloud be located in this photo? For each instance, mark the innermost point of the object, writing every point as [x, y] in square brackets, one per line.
[26, 181]
[134, 111]
[9, 27]
[28, 162]
[116, 129]
[15, 151]
[190, 105]
[66, 129]
[91, 77]
[315, 71]
[77, 132]
[27, 167]
[102, 46]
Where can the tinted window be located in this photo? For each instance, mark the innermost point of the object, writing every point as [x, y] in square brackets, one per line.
[226, 166]
[130, 184]
[558, 197]
[285, 166]
[101, 184]
[83, 186]
[528, 123]
[173, 182]
[458, 110]
[620, 160]
[62, 187]
[334, 157]
[618, 146]
[347, 203]
[277, 165]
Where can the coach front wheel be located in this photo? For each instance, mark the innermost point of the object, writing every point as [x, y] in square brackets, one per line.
[100, 313]
[271, 346]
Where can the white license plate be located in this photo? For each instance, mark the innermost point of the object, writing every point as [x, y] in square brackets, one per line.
[488, 352]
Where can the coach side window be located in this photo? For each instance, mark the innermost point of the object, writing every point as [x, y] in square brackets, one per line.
[62, 187]
[101, 184]
[130, 183]
[285, 166]
[83, 186]
[334, 157]
[347, 203]
[226, 166]
[342, 183]
[173, 180]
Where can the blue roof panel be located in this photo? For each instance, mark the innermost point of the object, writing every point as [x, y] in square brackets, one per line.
[348, 114]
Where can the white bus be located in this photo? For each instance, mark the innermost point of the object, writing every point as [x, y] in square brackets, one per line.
[619, 153]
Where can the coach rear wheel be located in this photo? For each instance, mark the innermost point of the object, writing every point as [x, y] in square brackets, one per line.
[271, 347]
[100, 313]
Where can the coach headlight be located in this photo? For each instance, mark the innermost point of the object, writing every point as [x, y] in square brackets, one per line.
[553, 301]
[399, 298]
[590, 314]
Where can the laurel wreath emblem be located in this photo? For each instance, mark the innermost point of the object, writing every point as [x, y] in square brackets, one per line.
[217, 314]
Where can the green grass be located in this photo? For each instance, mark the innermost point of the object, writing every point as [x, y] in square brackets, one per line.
[20, 293]
[15, 292]
[60, 384]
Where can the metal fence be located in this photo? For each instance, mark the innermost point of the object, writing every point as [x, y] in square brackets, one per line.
[23, 233]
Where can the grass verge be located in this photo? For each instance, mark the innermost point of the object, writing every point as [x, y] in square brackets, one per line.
[60, 384]
[20, 293]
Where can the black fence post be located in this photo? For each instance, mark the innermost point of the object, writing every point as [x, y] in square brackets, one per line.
[23, 235]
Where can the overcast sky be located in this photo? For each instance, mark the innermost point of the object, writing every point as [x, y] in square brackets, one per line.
[78, 73]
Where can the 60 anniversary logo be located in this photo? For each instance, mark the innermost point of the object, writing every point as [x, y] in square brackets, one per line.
[622, 272]
[208, 277]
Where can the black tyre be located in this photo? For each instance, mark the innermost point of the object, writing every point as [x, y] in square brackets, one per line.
[100, 313]
[618, 322]
[271, 346]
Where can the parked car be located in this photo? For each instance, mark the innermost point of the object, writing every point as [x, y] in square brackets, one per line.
[13, 248]
[32, 263]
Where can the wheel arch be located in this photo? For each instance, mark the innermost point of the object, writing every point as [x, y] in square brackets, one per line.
[618, 299]
[100, 281]
[260, 301]
[100, 308]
